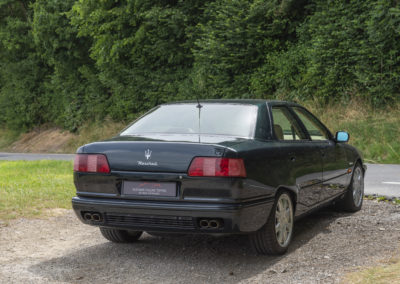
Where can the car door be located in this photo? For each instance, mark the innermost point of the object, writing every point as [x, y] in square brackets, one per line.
[333, 154]
[304, 162]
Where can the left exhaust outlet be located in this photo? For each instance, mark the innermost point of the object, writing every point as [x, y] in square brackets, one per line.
[96, 217]
[88, 216]
[92, 217]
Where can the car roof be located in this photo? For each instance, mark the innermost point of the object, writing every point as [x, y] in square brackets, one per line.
[236, 101]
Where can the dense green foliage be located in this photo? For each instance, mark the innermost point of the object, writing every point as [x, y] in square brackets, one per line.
[70, 61]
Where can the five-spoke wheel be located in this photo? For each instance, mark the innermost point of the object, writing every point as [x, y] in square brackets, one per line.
[275, 236]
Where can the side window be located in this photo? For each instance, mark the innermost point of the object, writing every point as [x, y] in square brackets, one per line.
[285, 125]
[314, 128]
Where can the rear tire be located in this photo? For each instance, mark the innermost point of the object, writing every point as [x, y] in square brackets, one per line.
[353, 199]
[120, 236]
[275, 236]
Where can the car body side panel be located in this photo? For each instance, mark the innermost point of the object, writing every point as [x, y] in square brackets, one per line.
[305, 165]
[335, 173]
[271, 165]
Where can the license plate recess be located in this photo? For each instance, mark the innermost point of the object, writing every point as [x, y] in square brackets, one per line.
[149, 188]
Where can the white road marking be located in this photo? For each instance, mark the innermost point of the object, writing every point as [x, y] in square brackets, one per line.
[391, 182]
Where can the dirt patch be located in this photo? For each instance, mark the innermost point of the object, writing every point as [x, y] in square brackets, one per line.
[326, 245]
[51, 140]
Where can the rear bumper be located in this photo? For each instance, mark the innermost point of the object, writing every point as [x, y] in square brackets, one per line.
[174, 216]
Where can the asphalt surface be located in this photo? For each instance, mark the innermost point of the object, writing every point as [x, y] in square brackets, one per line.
[33, 157]
[382, 180]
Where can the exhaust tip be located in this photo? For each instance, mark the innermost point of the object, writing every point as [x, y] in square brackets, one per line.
[96, 217]
[214, 224]
[210, 224]
[88, 216]
[204, 224]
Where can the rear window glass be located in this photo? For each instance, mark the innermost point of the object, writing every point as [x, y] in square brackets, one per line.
[215, 119]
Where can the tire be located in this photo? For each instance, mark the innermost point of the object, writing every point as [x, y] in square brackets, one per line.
[120, 236]
[353, 199]
[269, 240]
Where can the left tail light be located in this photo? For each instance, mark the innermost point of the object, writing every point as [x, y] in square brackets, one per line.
[91, 163]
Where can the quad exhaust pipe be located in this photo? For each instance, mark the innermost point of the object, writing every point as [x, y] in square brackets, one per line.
[210, 224]
[92, 217]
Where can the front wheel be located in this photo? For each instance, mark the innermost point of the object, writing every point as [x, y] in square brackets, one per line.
[353, 198]
[275, 236]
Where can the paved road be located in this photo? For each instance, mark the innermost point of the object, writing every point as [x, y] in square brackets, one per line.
[383, 180]
[32, 157]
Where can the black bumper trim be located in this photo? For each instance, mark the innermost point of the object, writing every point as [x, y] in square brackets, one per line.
[238, 217]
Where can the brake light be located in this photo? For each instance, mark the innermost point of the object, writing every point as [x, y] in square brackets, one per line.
[216, 167]
[91, 163]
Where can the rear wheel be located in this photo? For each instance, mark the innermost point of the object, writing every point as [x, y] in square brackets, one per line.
[120, 236]
[275, 236]
[353, 198]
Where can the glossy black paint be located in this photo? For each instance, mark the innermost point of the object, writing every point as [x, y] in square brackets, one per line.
[314, 172]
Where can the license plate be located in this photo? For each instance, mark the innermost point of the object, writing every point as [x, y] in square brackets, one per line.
[149, 188]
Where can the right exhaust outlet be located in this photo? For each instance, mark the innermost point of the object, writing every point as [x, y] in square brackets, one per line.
[214, 224]
[210, 224]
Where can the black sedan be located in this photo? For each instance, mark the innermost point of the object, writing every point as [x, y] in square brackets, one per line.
[217, 167]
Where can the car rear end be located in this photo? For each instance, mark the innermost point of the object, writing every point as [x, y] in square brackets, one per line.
[196, 183]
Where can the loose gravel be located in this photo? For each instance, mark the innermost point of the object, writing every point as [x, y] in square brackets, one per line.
[326, 245]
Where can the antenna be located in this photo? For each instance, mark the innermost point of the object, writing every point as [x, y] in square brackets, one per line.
[198, 103]
[199, 106]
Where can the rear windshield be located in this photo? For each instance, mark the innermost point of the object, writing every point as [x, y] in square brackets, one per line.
[215, 119]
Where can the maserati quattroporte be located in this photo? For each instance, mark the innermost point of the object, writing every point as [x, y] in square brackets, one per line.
[217, 167]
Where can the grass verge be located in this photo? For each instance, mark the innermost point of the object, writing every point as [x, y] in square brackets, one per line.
[7, 137]
[28, 188]
[94, 131]
[375, 132]
[386, 273]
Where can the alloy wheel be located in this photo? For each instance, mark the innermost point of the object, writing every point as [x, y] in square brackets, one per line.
[358, 186]
[284, 220]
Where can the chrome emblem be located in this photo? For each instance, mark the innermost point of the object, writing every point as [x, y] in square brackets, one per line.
[147, 154]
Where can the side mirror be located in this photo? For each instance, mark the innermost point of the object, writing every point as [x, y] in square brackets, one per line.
[342, 136]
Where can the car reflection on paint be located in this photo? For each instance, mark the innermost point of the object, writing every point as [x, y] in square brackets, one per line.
[221, 167]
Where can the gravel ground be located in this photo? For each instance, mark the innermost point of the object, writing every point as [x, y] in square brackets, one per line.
[326, 245]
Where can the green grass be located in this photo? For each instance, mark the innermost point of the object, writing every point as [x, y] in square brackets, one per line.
[378, 140]
[28, 188]
[386, 273]
[375, 132]
[7, 137]
[94, 131]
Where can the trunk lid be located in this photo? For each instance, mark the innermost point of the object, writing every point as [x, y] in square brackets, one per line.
[159, 153]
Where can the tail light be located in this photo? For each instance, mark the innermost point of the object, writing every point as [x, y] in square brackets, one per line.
[91, 163]
[216, 167]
